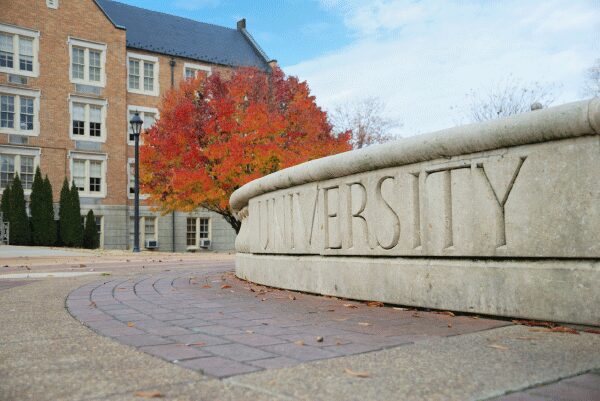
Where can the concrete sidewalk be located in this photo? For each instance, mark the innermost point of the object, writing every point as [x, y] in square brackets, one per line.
[46, 354]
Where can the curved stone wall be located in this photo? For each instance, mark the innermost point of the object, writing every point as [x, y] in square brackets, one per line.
[501, 218]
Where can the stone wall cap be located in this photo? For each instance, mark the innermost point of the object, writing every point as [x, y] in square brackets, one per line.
[554, 123]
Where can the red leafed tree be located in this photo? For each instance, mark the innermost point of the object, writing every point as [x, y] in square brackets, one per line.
[218, 133]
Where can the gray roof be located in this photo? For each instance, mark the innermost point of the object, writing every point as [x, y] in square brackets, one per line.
[176, 36]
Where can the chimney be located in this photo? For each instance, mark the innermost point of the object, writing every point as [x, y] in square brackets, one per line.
[241, 24]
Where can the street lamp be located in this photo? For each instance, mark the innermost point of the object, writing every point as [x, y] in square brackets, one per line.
[136, 127]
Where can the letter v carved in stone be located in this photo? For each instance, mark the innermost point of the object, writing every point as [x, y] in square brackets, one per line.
[501, 174]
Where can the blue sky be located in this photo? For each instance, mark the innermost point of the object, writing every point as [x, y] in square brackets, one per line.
[420, 57]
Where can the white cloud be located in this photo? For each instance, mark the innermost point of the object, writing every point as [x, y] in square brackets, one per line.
[423, 58]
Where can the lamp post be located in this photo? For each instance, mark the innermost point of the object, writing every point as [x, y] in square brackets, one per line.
[136, 127]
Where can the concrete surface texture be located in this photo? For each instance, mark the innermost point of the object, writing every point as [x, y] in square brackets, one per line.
[46, 354]
[519, 188]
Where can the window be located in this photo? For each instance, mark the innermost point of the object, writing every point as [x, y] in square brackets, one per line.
[18, 50]
[18, 160]
[131, 180]
[19, 111]
[27, 171]
[87, 62]
[100, 229]
[197, 228]
[148, 229]
[52, 3]
[88, 172]
[26, 54]
[192, 70]
[142, 74]
[191, 232]
[88, 119]
[147, 114]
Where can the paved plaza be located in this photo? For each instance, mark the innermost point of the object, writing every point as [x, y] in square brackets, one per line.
[185, 328]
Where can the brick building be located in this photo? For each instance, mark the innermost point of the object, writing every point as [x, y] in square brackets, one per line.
[72, 72]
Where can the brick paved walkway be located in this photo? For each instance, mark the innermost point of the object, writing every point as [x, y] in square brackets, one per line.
[210, 321]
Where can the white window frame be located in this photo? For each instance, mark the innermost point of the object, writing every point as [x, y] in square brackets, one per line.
[19, 151]
[52, 4]
[142, 110]
[87, 157]
[144, 58]
[16, 32]
[103, 103]
[17, 93]
[197, 219]
[142, 229]
[130, 177]
[87, 46]
[196, 67]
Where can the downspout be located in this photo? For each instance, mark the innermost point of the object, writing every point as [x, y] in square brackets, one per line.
[172, 64]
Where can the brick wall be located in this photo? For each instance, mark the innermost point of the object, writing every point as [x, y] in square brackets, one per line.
[80, 19]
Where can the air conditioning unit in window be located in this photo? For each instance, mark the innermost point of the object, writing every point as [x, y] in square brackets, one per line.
[151, 244]
[204, 243]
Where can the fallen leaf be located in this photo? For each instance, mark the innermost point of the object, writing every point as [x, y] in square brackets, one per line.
[592, 331]
[534, 323]
[498, 346]
[130, 324]
[357, 374]
[82, 265]
[364, 324]
[293, 298]
[225, 286]
[198, 344]
[299, 342]
[375, 304]
[474, 317]
[557, 329]
[563, 329]
[93, 304]
[449, 324]
[148, 394]
[399, 308]
[330, 310]
[352, 306]
[252, 289]
[319, 339]
[249, 332]
[416, 314]
[206, 286]
[338, 343]
[525, 338]
[264, 299]
[447, 313]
